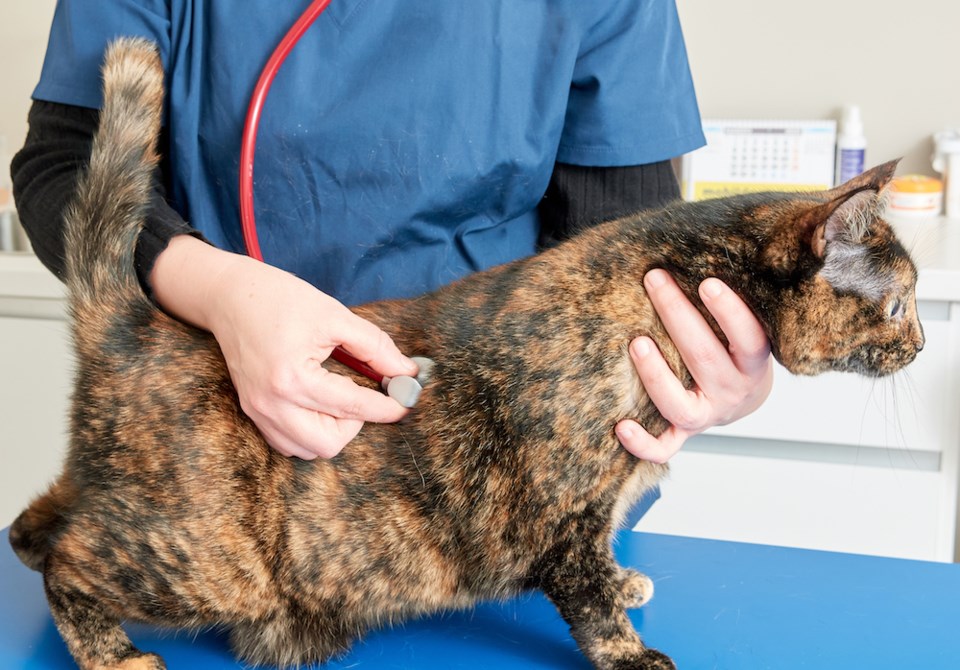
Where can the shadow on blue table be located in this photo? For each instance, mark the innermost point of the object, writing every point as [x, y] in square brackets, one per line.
[519, 634]
[525, 632]
[718, 605]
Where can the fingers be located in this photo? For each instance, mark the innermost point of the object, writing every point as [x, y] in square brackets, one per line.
[729, 383]
[748, 344]
[699, 347]
[275, 331]
[749, 350]
[304, 434]
[366, 342]
[341, 397]
[679, 406]
[317, 412]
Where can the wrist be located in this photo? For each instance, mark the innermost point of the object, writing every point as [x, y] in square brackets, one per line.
[186, 278]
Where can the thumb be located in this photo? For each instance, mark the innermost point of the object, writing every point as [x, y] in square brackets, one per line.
[635, 439]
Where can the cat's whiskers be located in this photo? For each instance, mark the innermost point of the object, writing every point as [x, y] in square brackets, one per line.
[413, 456]
[921, 244]
[895, 436]
[872, 387]
[912, 393]
[726, 250]
[883, 395]
[908, 391]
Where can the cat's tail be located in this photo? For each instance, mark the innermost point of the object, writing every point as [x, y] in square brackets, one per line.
[101, 228]
[106, 216]
[32, 534]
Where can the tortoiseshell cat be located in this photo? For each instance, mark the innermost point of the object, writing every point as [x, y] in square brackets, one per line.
[171, 509]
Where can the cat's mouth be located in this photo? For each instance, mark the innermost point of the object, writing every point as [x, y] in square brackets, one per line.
[876, 361]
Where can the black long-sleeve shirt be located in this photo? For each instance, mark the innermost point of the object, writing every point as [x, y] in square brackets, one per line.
[45, 173]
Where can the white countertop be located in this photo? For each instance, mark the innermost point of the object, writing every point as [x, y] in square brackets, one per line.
[28, 289]
[23, 276]
[934, 244]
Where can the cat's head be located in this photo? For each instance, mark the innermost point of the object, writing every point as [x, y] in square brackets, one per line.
[855, 308]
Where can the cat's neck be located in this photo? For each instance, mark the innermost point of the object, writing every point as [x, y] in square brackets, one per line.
[695, 241]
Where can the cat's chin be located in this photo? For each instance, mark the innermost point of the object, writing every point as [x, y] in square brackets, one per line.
[874, 368]
[803, 366]
[861, 364]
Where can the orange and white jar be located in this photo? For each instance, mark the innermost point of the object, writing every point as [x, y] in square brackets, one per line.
[916, 195]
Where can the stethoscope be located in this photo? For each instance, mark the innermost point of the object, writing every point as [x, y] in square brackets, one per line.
[404, 389]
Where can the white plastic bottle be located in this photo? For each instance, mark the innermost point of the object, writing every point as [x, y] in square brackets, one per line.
[6, 200]
[946, 161]
[851, 145]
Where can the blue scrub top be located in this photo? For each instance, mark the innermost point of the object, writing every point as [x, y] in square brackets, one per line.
[404, 143]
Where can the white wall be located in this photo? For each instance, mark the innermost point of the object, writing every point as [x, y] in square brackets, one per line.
[750, 58]
[771, 59]
[23, 39]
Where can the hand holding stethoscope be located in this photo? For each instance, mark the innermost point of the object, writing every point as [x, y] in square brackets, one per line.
[405, 389]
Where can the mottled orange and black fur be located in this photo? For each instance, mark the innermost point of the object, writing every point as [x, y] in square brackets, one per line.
[171, 508]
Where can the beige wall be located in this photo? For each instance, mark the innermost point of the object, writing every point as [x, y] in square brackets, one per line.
[771, 59]
[750, 58]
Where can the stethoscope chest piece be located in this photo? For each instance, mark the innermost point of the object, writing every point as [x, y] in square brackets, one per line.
[406, 389]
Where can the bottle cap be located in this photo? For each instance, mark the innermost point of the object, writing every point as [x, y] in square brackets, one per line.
[852, 123]
[947, 141]
[946, 144]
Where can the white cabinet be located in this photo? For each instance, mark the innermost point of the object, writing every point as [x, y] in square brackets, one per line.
[35, 378]
[850, 507]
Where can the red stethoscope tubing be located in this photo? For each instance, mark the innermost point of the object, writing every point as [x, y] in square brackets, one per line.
[248, 150]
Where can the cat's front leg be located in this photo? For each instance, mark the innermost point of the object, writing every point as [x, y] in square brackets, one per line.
[592, 593]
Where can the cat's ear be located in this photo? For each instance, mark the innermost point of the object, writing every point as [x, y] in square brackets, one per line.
[850, 208]
[874, 179]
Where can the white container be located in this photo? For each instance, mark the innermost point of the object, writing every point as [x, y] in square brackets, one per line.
[851, 145]
[915, 195]
[6, 200]
[946, 161]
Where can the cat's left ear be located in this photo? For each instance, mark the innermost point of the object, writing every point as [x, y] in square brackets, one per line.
[848, 212]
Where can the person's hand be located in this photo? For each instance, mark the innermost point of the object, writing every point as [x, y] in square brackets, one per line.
[730, 382]
[275, 331]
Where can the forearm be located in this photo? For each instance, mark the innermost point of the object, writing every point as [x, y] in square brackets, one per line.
[582, 196]
[187, 278]
[274, 331]
[45, 173]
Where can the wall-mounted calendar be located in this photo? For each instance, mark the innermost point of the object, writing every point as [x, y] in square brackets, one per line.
[744, 156]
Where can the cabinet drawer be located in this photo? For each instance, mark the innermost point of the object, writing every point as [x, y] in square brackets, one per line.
[860, 509]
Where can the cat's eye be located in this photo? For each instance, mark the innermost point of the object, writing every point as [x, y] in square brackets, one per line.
[894, 308]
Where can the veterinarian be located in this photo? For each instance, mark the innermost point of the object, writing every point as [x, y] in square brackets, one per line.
[404, 144]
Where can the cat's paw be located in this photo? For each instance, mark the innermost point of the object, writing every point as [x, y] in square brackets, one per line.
[637, 588]
[651, 659]
[655, 660]
[139, 662]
